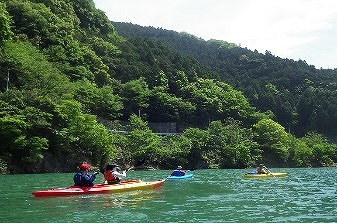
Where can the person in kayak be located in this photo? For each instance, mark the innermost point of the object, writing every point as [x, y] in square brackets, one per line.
[178, 172]
[262, 169]
[111, 175]
[83, 178]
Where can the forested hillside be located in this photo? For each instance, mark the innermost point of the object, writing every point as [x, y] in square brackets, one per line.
[301, 97]
[66, 70]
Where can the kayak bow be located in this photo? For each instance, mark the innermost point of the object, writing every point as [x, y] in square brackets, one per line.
[99, 188]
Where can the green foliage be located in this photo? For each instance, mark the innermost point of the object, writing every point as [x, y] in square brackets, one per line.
[92, 19]
[135, 96]
[270, 132]
[300, 152]
[215, 100]
[198, 139]
[68, 68]
[175, 149]
[232, 143]
[273, 137]
[5, 24]
[80, 134]
[300, 96]
[317, 109]
[39, 120]
[17, 144]
[322, 150]
[37, 20]
[167, 107]
[3, 167]
[30, 70]
[142, 142]
[99, 101]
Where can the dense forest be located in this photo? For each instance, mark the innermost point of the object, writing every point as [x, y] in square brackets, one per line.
[74, 89]
[301, 97]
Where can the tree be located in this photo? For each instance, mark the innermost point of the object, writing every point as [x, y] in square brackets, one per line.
[142, 143]
[175, 149]
[300, 153]
[272, 136]
[233, 144]
[18, 145]
[79, 135]
[166, 107]
[270, 132]
[323, 152]
[135, 96]
[36, 20]
[5, 24]
[198, 139]
[99, 101]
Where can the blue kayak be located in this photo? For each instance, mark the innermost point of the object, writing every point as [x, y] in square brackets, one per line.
[180, 177]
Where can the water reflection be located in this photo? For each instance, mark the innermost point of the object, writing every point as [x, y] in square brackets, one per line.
[109, 200]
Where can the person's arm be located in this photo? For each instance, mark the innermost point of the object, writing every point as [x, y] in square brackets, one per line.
[117, 174]
[77, 179]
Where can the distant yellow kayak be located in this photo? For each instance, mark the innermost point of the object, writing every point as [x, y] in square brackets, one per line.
[259, 175]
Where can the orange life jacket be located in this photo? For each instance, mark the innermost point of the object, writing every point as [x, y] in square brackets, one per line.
[110, 177]
[261, 171]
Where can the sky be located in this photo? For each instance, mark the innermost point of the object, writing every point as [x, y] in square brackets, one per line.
[294, 29]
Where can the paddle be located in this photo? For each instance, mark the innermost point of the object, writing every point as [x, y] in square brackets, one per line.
[269, 172]
[138, 163]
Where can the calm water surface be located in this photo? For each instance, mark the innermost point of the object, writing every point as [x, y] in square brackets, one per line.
[305, 195]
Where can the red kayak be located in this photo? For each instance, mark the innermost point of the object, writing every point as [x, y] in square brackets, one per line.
[99, 188]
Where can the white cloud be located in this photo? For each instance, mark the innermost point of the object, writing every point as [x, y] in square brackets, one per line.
[288, 28]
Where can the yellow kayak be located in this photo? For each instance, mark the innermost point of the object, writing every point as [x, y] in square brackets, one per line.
[268, 175]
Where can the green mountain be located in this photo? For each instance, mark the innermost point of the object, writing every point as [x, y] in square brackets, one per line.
[301, 97]
[76, 90]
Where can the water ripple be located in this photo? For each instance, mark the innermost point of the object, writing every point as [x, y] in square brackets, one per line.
[304, 195]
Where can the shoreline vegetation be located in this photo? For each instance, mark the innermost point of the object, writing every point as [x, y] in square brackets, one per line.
[64, 67]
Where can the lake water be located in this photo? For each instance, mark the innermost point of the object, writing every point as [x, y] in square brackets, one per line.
[304, 195]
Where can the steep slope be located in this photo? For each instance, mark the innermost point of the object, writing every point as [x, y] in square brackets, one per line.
[302, 97]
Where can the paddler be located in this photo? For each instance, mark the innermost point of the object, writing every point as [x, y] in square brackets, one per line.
[178, 171]
[83, 178]
[111, 175]
[262, 169]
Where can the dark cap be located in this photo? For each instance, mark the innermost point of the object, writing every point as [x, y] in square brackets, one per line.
[111, 166]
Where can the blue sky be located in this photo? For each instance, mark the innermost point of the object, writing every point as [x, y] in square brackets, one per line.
[294, 29]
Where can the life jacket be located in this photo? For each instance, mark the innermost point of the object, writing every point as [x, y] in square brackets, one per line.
[178, 173]
[261, 171]
[110, 177]
[84, 180]
[78, 179]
